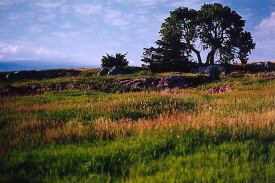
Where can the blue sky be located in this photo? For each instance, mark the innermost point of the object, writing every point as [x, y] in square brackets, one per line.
[68, 33]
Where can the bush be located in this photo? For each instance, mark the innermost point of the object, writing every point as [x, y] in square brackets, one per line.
[118, 60]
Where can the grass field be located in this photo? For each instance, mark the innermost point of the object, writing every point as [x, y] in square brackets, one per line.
[102, 132]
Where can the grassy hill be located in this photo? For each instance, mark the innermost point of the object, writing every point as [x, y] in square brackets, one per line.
[89, 129]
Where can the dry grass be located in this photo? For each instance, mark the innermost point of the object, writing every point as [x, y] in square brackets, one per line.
[252, 111]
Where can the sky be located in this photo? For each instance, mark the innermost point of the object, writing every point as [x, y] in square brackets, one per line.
[49, 34]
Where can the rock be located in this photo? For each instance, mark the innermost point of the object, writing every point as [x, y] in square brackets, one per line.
[31, 75]
[270, 66]
[119, 70]
[160, 82]
[221, 89]
[260, 64]
[104, 71]
[34, 87]
[116, 70]
[220, 68]
[17, 75]
[201, 70]
[72, 73]
[194, 71]
[211, 71]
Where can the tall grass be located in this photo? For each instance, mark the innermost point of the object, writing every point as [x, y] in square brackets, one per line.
[180, 135]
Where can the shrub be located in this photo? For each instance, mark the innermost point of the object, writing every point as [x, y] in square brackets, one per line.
[118, 60]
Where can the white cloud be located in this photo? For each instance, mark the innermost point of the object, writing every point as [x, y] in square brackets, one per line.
[87, 9]
[194, 4]
[267, 26]
[64, 9]
[45, 51]
[66, 25]
[246, 14]
[14, 52]
[48, 5]
[142, 19]
[37, 28]
[11, 48]
[142, 30]
[264, 36]
[10, 2]
[116, 18]
[148, 2]
[112, 14]
[5, 3]
[65, 35]
[119, 1]
[140, 2]
[161, 17]
[48, 18]
[119, 22]
[22, 52]
[60, 34]
[14, 16]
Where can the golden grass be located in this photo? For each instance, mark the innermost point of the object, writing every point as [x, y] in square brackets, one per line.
[249, 111]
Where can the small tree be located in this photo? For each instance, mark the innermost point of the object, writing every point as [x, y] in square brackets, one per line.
[168, 56]
[110, 60]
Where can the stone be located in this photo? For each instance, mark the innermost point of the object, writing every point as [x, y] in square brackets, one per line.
[270, 66]
[160, 82]
[17, 75]
[201, 70]
[260, 64]
[210, 70]
[104, 71]
[116, 70]
[194, 71]
[220, 68]
[221, 89]
[31, 74]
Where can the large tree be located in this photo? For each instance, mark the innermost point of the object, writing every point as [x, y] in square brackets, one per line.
[182, 23]
[214, 27]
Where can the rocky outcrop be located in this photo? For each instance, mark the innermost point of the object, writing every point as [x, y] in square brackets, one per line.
[160, 82]
[33, 74]
[211, 71]
[116, 70]
[221, 89]
[30, 75]
[104, 71]
[270, 66]
[119, 70]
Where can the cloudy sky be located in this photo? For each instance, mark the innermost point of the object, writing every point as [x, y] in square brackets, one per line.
[69, 33]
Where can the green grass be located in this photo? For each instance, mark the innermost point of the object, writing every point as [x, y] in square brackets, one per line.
[155, 157]
[107, 133]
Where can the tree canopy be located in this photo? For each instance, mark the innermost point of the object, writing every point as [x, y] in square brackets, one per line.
[215, 28]
[117, 60]
[168, 56]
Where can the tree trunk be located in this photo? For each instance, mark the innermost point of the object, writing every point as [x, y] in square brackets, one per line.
[210, 57]
[199, 56]
[196, 52]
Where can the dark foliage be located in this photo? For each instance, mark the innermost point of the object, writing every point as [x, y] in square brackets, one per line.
[168, 56]
[118, 60]
[214, 27]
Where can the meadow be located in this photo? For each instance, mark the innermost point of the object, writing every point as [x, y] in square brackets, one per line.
[90, 129]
